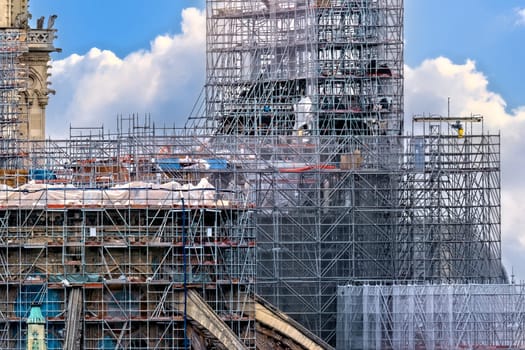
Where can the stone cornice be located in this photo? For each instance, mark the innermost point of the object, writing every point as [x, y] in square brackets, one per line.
[41, 58]
[41, 40]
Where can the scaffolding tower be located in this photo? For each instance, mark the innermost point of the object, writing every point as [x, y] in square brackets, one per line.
[13, 85]
[450, 231]
[452, 291]
[310, 93]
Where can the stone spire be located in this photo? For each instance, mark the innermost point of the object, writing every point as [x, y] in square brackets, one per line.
[36, 329]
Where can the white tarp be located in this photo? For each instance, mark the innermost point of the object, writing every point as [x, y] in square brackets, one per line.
[304, 115]
[134, 193]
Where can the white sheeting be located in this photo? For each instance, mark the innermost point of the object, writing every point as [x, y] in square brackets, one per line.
[134, 193]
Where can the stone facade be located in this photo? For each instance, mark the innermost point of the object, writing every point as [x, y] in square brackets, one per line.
[12, 11]
[40, 46]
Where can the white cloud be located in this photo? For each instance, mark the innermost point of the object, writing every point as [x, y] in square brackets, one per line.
[427, 88]
[520, 12]
[94, 88]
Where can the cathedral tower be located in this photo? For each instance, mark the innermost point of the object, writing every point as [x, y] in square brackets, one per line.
[35, 46]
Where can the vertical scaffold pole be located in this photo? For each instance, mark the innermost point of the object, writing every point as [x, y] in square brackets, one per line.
[185, 275]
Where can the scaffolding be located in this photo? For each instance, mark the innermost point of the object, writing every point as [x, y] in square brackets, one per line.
[127, 239]
[310, 95]
[13, 86]
[138, 237]
[447, 316]
[448, 251]
[450, 230]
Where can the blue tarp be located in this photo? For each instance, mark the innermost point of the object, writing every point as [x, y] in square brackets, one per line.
[217, 163]
[107, 343]
[31, 294]
[41, 174]
[169, 164]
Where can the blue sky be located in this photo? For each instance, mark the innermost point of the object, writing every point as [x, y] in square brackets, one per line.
[485, 31]
[123, 26]
[129, 56]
